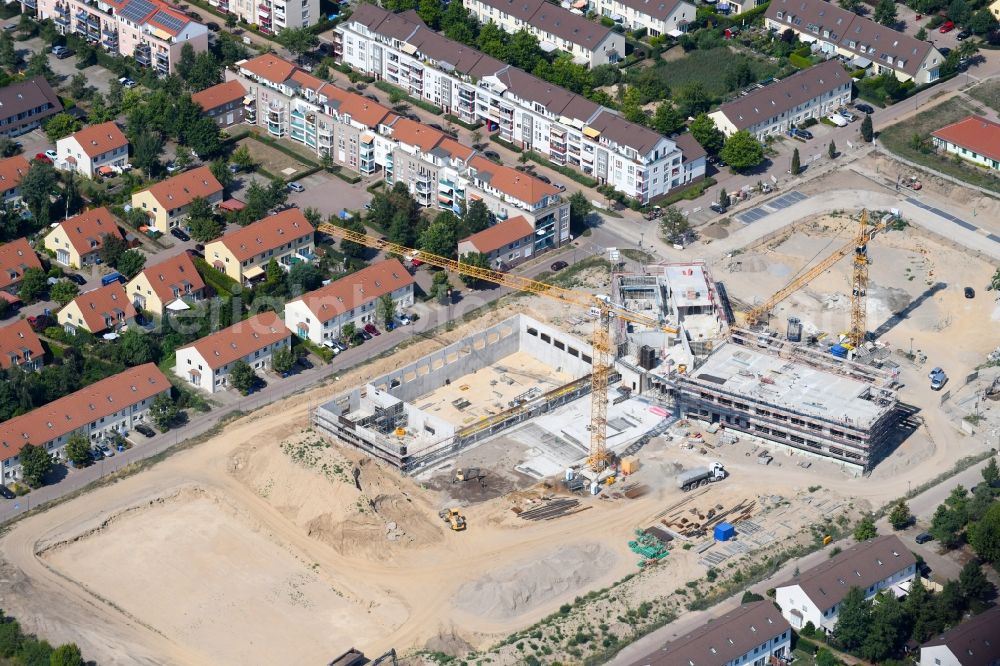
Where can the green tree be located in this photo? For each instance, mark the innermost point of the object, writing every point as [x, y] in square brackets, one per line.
[667, 120]
[386, 309]
[7, 147]
[274, 280]
[111, 250]
[579, 210]
[116, 93]
[8, 54]
[985, 536]
[865, 529]
[164, 412]
[900, 516]
[739, 75]
[78, 86]
[61, 125]
[831, 150]
[34, 284]
[242, 376]
[850, 5]
[674, 225]
[282, 360]
[990, 473]
[146, 150]
[186, 62]
[919, 606]
[742, 151]
[131, 263]
[241, 157]
[523, 51]
[35, 464]
[887, 630]
[135, 348]
[705, 132]
[949, 604]
[632, 106]
[220, 169]
[478, 260]
[796, 167]
[440, 285]
[231, 21]
[723, 198]
[38, 65]
[203, 137]
[947, 526]
[66, 655]
[348, 331]
[824, 657]
[298, 40]
[431, 12]
[921, 34]
[867, 132]
[853, 620]
[475, 217]
[442, 235]
[36, 190]
[63, 291]
[99, 111]
[78, 449]
[693, 99]
[974, 585]
[983, 22]
[885, 12]
[959, 12]
[750, 597]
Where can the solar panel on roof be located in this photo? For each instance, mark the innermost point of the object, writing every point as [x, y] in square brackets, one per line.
[169, 21]
[137, 10]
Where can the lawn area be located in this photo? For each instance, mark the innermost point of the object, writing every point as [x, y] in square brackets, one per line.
[987, 92]
[273, 160]
[707, 67]
[899, 139]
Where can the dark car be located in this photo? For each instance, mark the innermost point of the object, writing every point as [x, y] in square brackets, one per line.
[864, 108]
[75, 278]
[145, 430]
[544, 179]
[962, 36]
[944, 50]
[179, 234]
[372, 98]
[492, 155]
[970, 292]
[193, 14]
[62, 55]
[370, 328]
[365, 334]
[6, 492]
[213, 26]
[558, 265]
[40, 322]
[436, 126]
[803, 134]
[923, 537]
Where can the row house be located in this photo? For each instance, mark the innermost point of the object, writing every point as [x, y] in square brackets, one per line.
[656, 17]
[113, 405]
[207, 362]
[974, 138]
[520, 108]
[555, 27]
[151, 31]
[95, 150]
[504, 244]
[319, 316]
[16, 256]
[811, 93]
[12, 170]
[838, 32]
[171, 284]
[25, 105]
[243, 254]
[20, 347]
[971, 643]
[223, 103]
[103, 309]
[167, 203]
[78, 240]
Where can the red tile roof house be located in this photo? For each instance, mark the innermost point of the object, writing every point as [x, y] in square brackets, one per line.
[506, 244]
[167, 285]
[98, 310]
[975, 139]
[319, 315]
[115, 404]
[16, 257]
[207, 363]
[98, 149]
[12, 170]
[223, 102]
[19, 346]
[78, 240]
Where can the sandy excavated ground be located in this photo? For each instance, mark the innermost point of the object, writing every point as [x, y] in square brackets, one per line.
[257, 546]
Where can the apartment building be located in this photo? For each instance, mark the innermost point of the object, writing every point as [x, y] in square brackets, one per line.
[657, 17]
[20, 347]
[856, 39]
[16, 257]
[972, 643]
[168, 285]
[96, 149]
[505, 244]
[557, 28]
[167, 203]
[243, 254]
[811, 93]
[12, 170]
[223, 103]
[151, 31]
[112, 405]
[208, 362]
[568, 129]
[78, 240]
[319, 315]
[815, 595]
[975, 138]
[291, 103]
[272, 16]
[25, 104]
[752, 635]
[103, 309]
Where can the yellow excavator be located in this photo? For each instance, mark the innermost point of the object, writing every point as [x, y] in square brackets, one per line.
[456, 519]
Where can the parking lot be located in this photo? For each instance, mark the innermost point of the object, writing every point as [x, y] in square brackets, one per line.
[325, 192]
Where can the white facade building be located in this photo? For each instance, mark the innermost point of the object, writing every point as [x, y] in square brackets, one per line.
[972, 643]
[92, 149]
[658, 17]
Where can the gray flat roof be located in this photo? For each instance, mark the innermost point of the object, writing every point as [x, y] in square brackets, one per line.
[794, 386]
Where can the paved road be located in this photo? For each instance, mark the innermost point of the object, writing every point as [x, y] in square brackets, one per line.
[922, 505]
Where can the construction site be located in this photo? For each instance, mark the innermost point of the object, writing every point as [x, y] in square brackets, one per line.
[600, 447]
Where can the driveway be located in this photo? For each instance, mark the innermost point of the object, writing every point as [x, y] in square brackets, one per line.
[329, 194]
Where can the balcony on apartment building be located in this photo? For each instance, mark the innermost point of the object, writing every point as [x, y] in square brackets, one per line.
[275, 117]
[62, 15]
[143, 55]
[162, 62]
[110, 39]
[31, 4]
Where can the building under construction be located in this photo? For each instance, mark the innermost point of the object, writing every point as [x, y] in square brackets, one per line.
[793, 395]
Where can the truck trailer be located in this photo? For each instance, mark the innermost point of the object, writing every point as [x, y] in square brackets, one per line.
[699, 476]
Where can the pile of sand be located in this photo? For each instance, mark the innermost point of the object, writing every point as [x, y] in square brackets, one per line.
[526, 584]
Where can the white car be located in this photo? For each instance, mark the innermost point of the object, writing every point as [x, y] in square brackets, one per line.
[837, 120]
[51, 154]
[127, 82]
[329, 344]
[404, 319]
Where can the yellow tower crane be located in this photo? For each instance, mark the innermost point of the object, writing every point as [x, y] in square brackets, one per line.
[859, 280]
[601, 342]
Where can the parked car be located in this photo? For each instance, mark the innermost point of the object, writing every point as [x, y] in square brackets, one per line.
[491, 155]
[213, 26]
[850, 117]
[332, 346]
[717, 207]
[172, 167]
[6, 492]
[801, 133]
[296, 187]
[40, 322]
[864, 108]
[370, 328]
[145, 430]
[57, 49]
[65, 53]
[372, 98]
[545, 179]
[404, 319]
[837, 119]
[938, 379]
[558, 265]
[341, 345]
[364, 334]
[127, 82]
[963, 35]
[193, 14]
[923, 537]
[947, 26]
[234, 168]
[42, 157]
[970, 292]
[179, 234]
[75, 278]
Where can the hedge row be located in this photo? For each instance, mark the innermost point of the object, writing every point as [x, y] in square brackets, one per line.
[458, 121]
[269, 141]
[506, 144]
[583, 179]
[385, 86]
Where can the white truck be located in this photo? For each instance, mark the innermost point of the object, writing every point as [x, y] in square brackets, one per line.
[699, 476]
